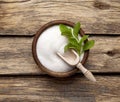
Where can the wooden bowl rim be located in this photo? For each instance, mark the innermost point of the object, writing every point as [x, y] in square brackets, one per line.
[34, 43]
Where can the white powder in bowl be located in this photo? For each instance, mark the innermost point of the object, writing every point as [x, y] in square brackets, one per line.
[49, 42]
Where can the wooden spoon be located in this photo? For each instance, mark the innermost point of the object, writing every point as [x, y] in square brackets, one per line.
[72, 58]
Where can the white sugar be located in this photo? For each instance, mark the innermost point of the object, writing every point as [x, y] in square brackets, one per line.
[49, 42]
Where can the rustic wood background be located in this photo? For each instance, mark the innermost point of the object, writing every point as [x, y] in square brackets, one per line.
[20, 78]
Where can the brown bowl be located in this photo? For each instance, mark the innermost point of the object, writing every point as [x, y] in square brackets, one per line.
[49, 72]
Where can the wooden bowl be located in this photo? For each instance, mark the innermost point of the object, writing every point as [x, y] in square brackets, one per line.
[49, 72]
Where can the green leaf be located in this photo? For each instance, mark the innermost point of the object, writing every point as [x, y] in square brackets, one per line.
[65, 30]
[68, 46]
[76, 29]
[83, 39]
[81, 42]
[73, 41]
[88, 45]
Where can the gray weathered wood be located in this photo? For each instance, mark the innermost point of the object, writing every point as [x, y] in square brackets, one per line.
[47, 89]
[16, 56]
[25, 17]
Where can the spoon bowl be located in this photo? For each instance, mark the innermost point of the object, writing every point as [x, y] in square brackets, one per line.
[70, 57]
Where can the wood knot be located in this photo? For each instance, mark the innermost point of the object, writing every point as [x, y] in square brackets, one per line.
[111, 53]
[101, 5]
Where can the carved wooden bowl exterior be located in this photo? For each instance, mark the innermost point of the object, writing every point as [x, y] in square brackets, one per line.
[47, 71]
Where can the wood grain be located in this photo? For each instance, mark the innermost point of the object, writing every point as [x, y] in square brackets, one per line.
[47, 89]
[25, 17]
[16, 56]
[20, 78]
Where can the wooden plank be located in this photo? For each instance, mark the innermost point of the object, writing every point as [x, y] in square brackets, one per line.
[24, 17]
[16, 56]
[47, 89]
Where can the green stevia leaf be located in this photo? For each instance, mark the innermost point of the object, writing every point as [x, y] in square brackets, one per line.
[79, 53]
[73, 41]
[68, 46]
[65, 30]
[83, 39]
[76, 29]
[88, 45]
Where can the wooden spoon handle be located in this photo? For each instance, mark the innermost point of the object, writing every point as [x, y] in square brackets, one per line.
[86, 72]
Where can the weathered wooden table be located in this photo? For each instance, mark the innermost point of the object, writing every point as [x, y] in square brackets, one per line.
[20, 78]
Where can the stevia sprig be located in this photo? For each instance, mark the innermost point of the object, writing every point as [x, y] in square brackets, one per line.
[74, 42]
